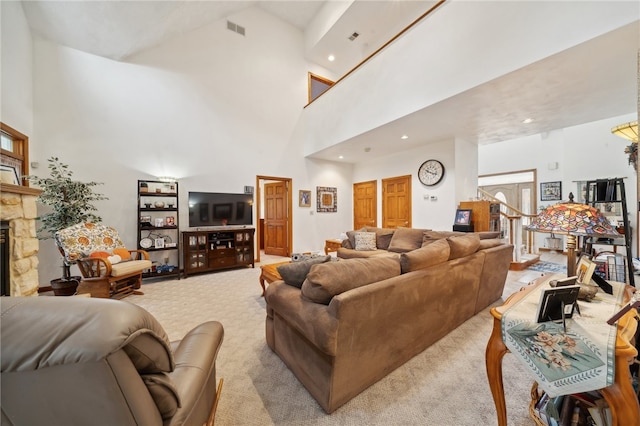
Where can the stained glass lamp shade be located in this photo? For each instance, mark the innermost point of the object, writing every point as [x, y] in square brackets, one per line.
[573, 220]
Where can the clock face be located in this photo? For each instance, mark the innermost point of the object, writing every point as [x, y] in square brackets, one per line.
[431, 172]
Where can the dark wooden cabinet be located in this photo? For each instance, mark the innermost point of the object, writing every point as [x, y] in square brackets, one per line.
[485, 215]
[205, 251]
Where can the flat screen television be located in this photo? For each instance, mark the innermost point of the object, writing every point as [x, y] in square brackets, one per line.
[217, 208]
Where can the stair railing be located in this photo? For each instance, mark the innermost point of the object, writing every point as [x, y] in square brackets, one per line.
[513, 223]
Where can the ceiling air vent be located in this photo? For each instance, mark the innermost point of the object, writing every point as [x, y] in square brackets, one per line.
[235, 28]
[353, 36]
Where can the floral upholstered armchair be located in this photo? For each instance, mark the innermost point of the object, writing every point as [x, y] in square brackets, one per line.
[108, 268]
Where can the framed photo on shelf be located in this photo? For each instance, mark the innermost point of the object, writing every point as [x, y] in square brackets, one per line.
[463, 217]
[304, 198]
[170, 221]
[585, 270]
[145, 220]
[159, 222]
[9, 174]
[159, 243]
[550, 191]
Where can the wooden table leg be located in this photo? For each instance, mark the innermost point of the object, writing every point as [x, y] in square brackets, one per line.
[493, 359]
[262, 283]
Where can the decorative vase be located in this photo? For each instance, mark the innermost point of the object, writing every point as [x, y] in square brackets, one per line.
[62, 287]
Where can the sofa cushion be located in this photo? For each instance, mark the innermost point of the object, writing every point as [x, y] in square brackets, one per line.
[432, 236]
[345, 253]
[383, 236]
[489, 243]
[294, 273]
[426, 256]
[365, 241]
[126, 268]
[351, 238]
[329, 279]
[406, 239]
[463, 245]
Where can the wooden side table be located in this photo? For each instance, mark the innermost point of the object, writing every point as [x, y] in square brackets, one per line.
[620, 396]
[332, 245]
[269, 273]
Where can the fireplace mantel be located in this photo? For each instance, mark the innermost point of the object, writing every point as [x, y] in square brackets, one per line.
[17, 189]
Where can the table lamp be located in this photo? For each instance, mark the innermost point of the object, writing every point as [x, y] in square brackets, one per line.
[573, 220]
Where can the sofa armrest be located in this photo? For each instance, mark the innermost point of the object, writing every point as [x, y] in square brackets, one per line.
[195, 374]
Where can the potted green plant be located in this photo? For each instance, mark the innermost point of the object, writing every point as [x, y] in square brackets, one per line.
[71, 202]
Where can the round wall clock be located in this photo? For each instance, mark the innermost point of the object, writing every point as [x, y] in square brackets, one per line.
[431, 172]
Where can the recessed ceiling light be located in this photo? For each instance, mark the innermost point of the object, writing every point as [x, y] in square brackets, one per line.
[527, 120]
[331, 58]
[341, 156]
[404, 137]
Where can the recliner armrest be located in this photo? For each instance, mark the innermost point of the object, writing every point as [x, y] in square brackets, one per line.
[195, 358]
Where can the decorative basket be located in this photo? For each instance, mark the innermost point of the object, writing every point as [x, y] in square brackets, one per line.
[535, 397]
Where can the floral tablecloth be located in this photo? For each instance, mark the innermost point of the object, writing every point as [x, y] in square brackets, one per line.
[580, 360]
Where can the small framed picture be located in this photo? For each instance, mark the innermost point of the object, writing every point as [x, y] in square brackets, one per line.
[145, 220]
[463, 217]
[159, 243]
[304, 198]
[159, 222]
[170, 221]
[584, 270]
[9, 174]
[550, 191]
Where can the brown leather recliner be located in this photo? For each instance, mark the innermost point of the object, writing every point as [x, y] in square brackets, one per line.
[87, 361]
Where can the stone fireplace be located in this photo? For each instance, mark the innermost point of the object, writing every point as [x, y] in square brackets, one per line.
[18, 213]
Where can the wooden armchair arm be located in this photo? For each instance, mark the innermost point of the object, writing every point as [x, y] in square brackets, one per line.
[140, 254]
[94, 267]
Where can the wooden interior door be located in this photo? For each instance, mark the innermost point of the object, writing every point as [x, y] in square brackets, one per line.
[365, 204]
[275, 221]
[396, 202]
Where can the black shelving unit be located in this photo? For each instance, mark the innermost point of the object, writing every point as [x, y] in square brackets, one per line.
[602, 192]
[158, 226]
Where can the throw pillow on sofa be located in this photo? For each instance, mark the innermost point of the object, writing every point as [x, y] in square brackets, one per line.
[294, 273]
[406, 239]
[425, 257]
[351, 238]
[383, 236]
[463, 245]
[365, 241]
[330, 279]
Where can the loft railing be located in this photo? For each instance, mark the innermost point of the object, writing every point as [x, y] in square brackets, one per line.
[513, 222]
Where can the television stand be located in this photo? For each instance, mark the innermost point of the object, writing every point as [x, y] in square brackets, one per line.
[221, 247]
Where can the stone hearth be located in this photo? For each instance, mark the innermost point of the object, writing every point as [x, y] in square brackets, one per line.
[18, 207]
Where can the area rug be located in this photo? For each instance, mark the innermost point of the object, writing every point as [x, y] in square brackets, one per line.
[544, 266]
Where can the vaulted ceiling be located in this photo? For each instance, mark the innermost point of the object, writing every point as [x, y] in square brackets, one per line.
[119, 29]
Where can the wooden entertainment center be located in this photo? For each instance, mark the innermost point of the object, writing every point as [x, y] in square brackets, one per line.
[218, 248]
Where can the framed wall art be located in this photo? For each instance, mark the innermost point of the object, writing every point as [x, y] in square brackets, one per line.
[463, 217]
[304, 198]
[327, 199]
[550, 191]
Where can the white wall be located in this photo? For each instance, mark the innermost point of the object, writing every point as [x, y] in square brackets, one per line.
[582, 152]
[427, 213]
[432, 62]
[16, 91]
[211, 108]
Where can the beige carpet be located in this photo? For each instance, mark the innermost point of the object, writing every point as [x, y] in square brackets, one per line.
[444, 385]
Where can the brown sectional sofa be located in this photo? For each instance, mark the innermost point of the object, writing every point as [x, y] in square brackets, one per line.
[352, 322]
